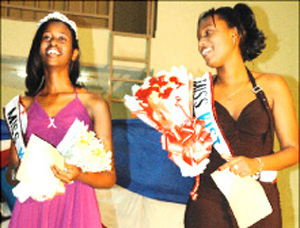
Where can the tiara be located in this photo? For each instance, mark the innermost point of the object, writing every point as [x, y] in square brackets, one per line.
[58, 16]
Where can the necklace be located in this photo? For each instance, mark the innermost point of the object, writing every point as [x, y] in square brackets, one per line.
[235, 92]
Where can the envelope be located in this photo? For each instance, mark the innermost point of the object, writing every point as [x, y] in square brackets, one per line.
[245, 196]
[38, 158]
[35, 175]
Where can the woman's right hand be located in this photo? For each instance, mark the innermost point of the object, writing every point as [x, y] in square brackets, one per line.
[68, 175]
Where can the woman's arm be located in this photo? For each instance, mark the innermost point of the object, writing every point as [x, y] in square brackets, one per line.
[13, 165]
[286, 127]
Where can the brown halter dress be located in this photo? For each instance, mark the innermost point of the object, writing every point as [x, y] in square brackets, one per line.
[251, 135]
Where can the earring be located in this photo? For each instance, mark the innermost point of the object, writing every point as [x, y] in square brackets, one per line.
[234, 38]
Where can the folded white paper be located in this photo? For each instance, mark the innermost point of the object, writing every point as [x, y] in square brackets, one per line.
[36, 178]
[245, 196]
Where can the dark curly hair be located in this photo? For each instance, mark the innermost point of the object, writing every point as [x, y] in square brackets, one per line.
[252, 40]
[35, 71]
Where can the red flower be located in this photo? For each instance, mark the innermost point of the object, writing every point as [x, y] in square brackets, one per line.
[156, 84]
[166, 93]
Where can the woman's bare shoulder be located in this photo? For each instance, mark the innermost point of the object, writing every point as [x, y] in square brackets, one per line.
[91, 100]
[270, 81]
[27, 101]
[274, 86]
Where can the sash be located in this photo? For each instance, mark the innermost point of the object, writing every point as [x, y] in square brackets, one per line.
[204, 109]
[16, 120]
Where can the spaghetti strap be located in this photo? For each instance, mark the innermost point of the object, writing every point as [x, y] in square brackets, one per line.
[75, 90]
[35, 98]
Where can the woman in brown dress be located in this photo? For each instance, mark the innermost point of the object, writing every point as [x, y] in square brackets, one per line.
[227, 37]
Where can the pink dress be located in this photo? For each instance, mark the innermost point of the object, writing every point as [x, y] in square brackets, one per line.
[78, 207]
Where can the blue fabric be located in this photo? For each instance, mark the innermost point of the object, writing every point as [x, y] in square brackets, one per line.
[6, 188]
[143, 167]
[141, 164]
[4, 131]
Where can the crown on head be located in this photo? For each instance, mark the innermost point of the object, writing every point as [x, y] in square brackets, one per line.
[59, 16]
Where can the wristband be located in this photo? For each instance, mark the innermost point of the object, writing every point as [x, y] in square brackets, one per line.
[257, 175]
[14, 173]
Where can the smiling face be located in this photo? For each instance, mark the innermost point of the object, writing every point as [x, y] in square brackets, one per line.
[56, 46]
[216, 41]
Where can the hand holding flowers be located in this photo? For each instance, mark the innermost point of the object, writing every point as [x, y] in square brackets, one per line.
[82, 148]
[68, 174]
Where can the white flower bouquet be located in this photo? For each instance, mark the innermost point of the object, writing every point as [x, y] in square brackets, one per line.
[164, 102]
[82, 148]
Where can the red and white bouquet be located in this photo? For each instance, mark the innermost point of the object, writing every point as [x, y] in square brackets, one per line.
[164, 102]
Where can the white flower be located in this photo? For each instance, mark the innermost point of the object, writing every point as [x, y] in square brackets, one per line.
[86, 151]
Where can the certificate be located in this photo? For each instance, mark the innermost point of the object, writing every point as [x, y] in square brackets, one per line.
[35, 175]
[245, 196]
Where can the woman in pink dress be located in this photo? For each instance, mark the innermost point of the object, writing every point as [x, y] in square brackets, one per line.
[53, 101]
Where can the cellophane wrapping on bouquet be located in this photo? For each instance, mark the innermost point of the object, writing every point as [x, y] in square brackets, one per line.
[79, 147]
[82, 148]
[164, 102]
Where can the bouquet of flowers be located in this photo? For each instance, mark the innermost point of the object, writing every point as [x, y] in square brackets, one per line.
[79, 147]
[82, 148]
[164, 102]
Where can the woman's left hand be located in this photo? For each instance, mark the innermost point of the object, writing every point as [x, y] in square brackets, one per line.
[69, 174]
[240, 165]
